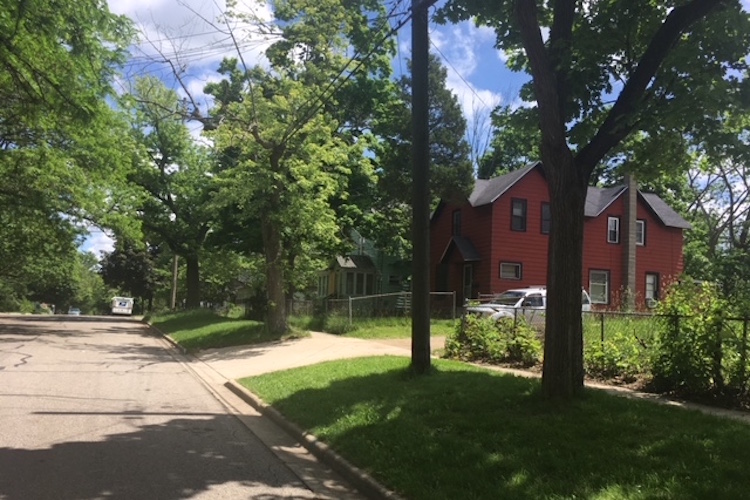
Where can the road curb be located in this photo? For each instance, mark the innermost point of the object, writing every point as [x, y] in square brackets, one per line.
[169, 339]
[357, 477]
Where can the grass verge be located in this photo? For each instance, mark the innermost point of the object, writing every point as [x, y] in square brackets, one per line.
[202, 329]
[465, 432]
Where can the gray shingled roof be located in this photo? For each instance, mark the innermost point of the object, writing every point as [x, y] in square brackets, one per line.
[362, 262]
[598, 199]
[486, 191]
[465, 248]
[667, 215]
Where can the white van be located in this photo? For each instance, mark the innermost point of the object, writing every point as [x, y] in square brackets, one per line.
[531, 303]
[122, 305]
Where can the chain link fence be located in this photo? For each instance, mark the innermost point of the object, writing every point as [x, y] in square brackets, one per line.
[384, 305]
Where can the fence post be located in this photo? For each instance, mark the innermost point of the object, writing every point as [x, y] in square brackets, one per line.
[601, 329]
[350, 311]
[453, 293]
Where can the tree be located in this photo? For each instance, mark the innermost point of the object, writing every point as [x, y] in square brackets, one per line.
[283, 180]
[294, 136]
[130, 269]
[608, 70]
[173, 176]
[57, 59]
[452, 175]
[91, 295]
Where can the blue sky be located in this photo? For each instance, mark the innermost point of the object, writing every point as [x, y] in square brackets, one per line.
[476, 70]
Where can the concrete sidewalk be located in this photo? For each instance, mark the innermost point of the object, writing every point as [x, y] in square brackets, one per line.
[245, 361]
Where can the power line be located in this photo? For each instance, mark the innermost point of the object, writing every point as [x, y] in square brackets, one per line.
[468, 84]
[321, 98]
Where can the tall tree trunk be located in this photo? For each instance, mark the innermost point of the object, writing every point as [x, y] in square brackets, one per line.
[562, 375]
[291, 288]
[276, 321]
[193, 282]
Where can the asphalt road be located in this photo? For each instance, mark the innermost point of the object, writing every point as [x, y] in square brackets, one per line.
[97, 408]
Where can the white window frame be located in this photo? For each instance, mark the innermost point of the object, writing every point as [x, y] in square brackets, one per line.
[653, 292]
[599, 278]
[517, 271]
[613, 229]
[640, 232]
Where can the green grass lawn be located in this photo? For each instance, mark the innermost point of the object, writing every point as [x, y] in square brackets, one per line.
[396, 328]
[202, 329]
[371, 328]
[468, 433]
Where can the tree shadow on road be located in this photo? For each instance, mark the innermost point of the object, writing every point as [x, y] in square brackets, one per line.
[179, 458]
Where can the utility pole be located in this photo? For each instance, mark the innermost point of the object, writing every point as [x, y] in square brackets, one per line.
[420, 157]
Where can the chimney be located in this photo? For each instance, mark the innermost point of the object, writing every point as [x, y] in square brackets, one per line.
[628, 241]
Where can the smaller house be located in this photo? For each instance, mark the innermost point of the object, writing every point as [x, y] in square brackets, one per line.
[365, 271]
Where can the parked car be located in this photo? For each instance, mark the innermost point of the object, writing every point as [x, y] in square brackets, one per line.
[74, 311]
[529, 303]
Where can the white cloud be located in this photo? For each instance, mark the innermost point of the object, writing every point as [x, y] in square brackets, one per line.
[97, 242]
[192, 32]
[458, 46]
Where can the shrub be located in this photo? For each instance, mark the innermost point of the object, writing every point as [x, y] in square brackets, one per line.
[619, 356]
[524, 345]
[483, 339]
[338, 325]
[689, 350]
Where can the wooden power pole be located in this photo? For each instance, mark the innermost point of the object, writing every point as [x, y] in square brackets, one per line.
[420, 157]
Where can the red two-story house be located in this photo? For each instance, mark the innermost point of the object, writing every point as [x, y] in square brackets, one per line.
[498, 239]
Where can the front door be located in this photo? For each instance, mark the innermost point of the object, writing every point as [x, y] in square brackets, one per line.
[468, 281]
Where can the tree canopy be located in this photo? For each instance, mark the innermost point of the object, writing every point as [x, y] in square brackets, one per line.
[59, 148]
[603, 73]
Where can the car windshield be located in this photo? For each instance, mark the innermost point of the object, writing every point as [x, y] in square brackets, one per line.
[509, 298]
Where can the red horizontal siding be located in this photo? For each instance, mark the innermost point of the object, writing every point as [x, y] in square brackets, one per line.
[489, 230]
[529, 247]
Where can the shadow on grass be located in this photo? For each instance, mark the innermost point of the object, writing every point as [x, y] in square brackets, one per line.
[466, 433]
[201, 329]
[170, 323]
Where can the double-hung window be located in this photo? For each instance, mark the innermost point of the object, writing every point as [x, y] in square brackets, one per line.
[652, 286]
[640, 232]
[546, 218]
[599, 286]
[518, 215]
[613, 230]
